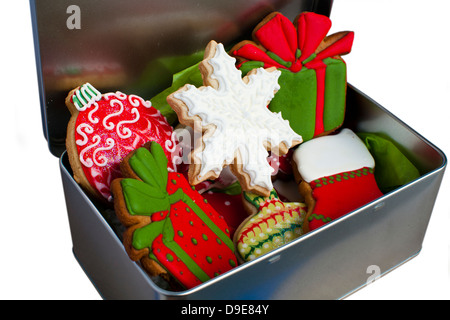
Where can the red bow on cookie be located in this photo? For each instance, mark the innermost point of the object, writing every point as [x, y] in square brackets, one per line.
[291, 45]
[293, 48]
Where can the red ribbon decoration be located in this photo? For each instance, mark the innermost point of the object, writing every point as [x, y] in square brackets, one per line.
[283, 44]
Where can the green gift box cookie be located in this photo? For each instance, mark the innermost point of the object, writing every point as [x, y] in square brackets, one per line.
[314, 78]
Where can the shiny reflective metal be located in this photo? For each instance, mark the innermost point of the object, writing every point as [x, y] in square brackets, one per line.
[328, 263]
[117, 45]
[123, 41]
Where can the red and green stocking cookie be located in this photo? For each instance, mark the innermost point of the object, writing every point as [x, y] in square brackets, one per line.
[335, 176]
[171, 228]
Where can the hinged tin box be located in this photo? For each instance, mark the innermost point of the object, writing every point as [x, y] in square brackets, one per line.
[118, 45]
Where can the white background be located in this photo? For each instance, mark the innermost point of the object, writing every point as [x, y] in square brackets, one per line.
[399, 58]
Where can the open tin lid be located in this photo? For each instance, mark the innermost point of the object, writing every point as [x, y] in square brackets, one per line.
[124, 45]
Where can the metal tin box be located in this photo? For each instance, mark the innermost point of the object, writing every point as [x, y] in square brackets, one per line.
[126, 46]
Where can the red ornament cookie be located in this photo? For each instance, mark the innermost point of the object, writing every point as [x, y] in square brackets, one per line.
[104, 128]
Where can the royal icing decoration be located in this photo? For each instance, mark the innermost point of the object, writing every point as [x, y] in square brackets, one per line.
[184, 233]
[339, 170]
[109, 126]
[229, 206]
[237, 125]
[313, 76]
[340, 194]
[330, 155]
[275, 224]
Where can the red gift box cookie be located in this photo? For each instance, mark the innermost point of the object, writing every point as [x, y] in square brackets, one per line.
[171, 229]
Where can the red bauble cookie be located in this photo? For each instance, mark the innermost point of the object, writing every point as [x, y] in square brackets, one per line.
[104, 128]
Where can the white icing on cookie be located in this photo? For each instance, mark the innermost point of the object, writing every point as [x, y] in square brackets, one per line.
[87, 130]
[329, 155]
[125, 132]
[243, 123]
[85, 96]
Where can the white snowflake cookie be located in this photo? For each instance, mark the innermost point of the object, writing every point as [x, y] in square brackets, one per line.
[236, 127]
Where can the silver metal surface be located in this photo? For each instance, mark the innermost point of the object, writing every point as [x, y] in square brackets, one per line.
[328, 263]
[117, 45]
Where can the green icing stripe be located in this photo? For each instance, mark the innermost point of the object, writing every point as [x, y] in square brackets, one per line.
[144, 237]
[150, 196]
[271, 237]
[310, 58]
[84, 95]
[341, 177]
[335, 93]
[187, 260]
[179, 194]
[277, 59]
[315, 216]
[168, 236]
[256, 200]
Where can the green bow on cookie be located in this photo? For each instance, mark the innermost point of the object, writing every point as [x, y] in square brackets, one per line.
[170, 227]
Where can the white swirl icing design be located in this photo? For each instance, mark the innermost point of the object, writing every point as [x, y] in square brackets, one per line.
[100, 186]
[135, 101]
[88, 162]
[117, 95]
[91, 114]
[111, 126]
[102, 161]
[88, 130]
[126, 132]
[113, 103]
[171, 144]
[174, 149]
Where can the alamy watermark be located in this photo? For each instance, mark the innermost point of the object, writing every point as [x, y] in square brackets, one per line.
[375, 273]
[73, 22]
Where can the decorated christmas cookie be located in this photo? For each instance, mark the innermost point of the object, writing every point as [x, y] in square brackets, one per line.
[237, 127]
[335, 176]
[282, 167]
[186, 138]
[229, 206]
[272, 224]
[313, 75]
[104, 128]
[171, 228]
